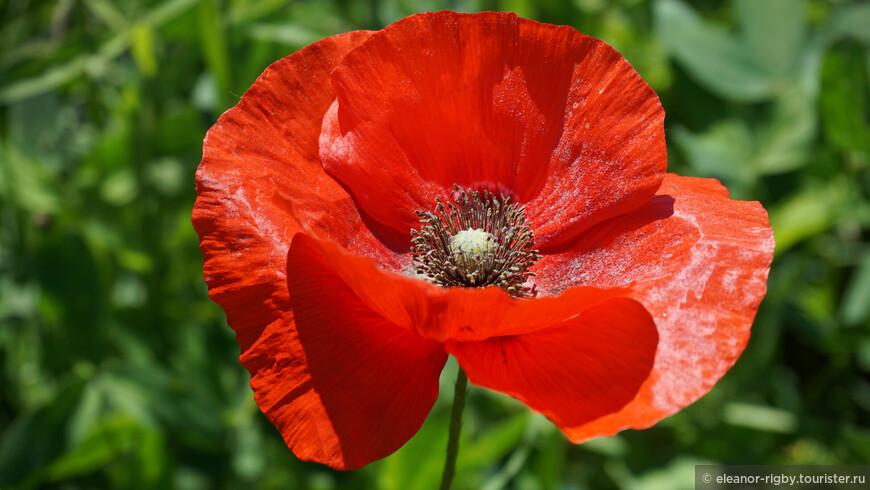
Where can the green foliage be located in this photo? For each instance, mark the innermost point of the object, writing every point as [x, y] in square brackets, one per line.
[117, 371]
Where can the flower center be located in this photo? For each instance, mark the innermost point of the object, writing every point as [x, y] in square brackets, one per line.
[475, 240]
[472, 246]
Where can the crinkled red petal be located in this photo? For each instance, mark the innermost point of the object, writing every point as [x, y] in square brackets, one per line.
[574, 372]
[261, 179]
[458, 314]
[260, 182]
[698, 262]
[344, 385]
[557, 119]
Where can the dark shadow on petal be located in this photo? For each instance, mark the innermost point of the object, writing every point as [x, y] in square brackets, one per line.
[375, 380]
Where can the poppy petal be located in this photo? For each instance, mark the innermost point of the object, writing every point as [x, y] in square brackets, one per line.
[260, 181]
[698, 262]
[557, 119]
[344, 385]
[460, 314]
[574, 372]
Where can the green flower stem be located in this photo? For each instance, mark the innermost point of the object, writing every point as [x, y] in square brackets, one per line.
[455, 429]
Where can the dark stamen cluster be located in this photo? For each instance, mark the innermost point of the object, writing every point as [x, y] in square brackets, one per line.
[506, 264]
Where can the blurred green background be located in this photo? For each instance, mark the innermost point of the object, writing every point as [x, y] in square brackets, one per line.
[117, 371]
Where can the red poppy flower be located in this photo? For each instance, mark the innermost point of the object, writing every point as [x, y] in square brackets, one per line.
[645, 284]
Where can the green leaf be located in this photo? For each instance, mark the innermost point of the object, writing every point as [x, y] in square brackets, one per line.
[676, 475]
[848, 21]
[856, 306]
[213, 43]
[809, 211]
[419, 462]
[290, 34]
[738, 155]
[523, 8]
[35, 438]
[25, 183]
[108, 13]
[126, 395]
[760, 417]
[109, 440]
[614, 447]
[716, 58]
[66, 72]
[844, 101]
[50, 79]
[243, 12]
[87, 412]
[142, 40]
[551, 457]
[116, 438]
[248, 459]
[724, 151]
[493, 444]
[775, 32]
[782, 144]
[520, 450]
[16, 300]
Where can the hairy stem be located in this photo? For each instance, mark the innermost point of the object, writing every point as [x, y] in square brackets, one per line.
[455, 429]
